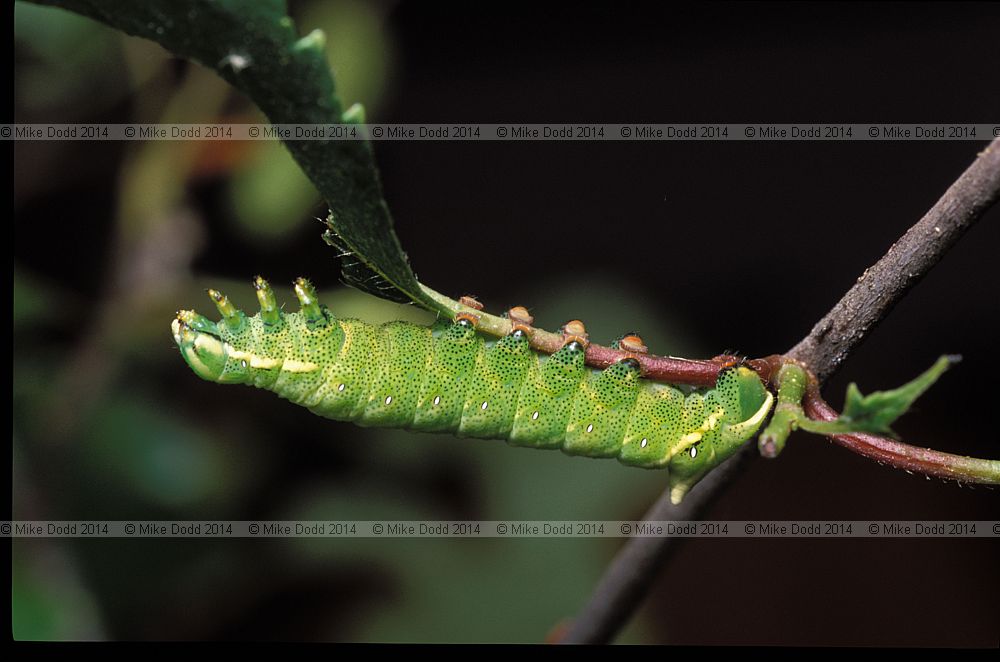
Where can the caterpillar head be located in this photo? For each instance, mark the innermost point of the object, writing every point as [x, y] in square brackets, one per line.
[240, 349]
[201, 344]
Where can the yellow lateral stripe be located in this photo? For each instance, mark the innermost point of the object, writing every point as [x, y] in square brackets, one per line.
[756, 418]
[691, 438]
[299, 366]
[262, 363]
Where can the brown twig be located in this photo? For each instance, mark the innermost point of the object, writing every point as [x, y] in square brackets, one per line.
[625, 582]
[899, 455]
[882, 285]
[628, 577]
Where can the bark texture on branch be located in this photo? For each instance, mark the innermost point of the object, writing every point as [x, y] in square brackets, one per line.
[882, 285]
[632, 571]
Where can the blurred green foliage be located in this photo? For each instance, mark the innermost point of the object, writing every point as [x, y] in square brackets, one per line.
[256, 47]
[69, 58]
[270, 195]
[109, 424]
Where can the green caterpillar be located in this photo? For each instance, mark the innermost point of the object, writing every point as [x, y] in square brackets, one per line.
[450, 378]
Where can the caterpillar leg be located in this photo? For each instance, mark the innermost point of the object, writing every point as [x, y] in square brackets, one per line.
[630, 342]
[521, 320]
[575, 331]
[472, 315]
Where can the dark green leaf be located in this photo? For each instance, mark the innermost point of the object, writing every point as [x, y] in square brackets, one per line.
[253, 45]
[356, 272]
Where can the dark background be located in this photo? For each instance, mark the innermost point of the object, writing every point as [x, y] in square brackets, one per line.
[700, 246]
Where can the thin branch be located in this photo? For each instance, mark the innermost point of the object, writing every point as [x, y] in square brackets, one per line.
[903, 456]
[631, 573]
[881, 286]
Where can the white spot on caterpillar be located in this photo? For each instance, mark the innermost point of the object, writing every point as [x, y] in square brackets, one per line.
[694, 452]
[243, 364]
[437, 400]
[388, 399]
[590, 428]
[484, 405]
[342, 387]
[644, 442]
[534, 416]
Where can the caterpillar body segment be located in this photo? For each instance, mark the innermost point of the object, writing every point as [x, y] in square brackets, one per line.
[450, 378]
